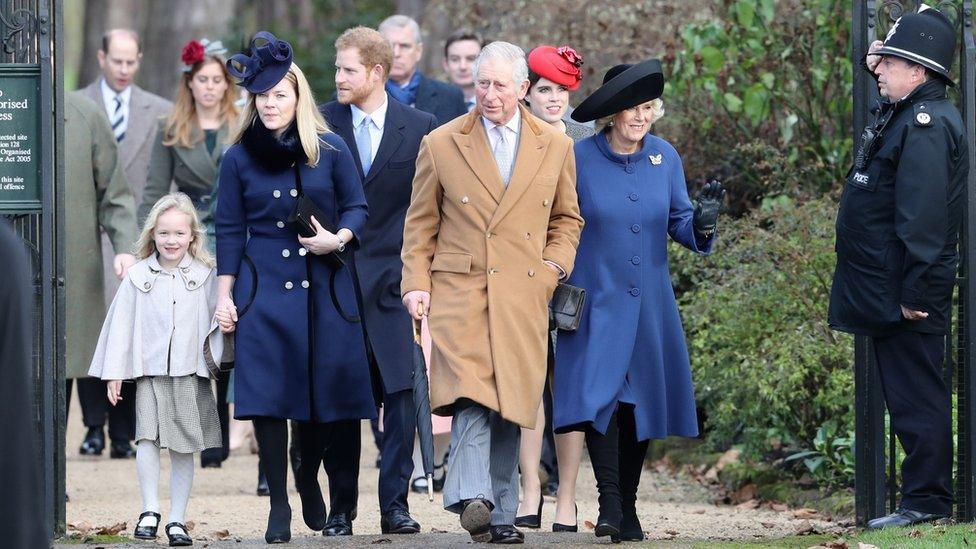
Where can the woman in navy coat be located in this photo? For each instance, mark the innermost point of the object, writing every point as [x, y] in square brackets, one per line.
[297, 356]
[624, 377]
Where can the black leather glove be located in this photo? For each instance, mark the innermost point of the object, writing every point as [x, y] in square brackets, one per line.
[708, 204]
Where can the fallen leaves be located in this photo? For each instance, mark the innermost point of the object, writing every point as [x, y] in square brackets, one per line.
[84, 529]
[589, 525]
[806, 513]
[221, 535]
[112, 530]
[730, 456]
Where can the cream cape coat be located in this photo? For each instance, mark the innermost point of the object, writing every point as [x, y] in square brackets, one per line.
[479, 247]
[158, 314]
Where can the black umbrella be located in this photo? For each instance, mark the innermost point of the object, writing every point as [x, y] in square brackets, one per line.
[421, 406]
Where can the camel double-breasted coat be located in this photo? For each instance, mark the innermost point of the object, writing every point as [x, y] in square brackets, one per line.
[478, 248]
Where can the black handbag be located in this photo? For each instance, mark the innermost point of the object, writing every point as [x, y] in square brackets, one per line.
[301, 216]
[567, 306]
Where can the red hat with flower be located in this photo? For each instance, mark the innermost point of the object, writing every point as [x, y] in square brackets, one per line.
[561, 65]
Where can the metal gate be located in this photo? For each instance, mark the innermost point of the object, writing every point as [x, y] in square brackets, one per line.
[30, 172]
[875, 450]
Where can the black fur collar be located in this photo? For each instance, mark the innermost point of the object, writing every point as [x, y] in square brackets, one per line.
[272, 152]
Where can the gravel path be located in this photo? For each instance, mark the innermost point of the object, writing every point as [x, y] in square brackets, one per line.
[223, 505]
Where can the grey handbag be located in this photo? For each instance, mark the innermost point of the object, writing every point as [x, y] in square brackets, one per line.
[567, 306]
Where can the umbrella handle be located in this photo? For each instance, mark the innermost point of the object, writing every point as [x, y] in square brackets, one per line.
[417, 327]
[430, 487]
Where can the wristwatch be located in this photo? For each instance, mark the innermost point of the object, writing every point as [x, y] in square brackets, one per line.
[342, 244]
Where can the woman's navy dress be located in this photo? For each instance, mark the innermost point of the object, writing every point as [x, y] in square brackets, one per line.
[630, 346]
[295, 356]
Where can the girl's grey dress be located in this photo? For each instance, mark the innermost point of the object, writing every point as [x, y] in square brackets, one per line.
[154, 333]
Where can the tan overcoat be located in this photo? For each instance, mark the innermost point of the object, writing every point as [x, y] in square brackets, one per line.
[479, 249]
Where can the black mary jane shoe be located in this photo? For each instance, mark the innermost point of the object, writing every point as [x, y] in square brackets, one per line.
[398, 521]
[902, 517]
[506, 534]
[563, 528]
[147, 532]
[339, 524]
[178, 539]
[532, 521]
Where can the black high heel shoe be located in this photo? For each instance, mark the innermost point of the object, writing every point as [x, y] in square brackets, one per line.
[557, 527]
[147, 532]
[532, 521]
[179, 539]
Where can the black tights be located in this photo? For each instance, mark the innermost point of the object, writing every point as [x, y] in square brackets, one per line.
[618, 458]
[272, 437]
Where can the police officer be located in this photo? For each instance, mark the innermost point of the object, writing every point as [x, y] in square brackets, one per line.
[897, 231]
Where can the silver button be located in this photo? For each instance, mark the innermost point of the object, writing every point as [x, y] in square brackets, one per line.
[285, 253]
[280, 224]
[302, 251]
[192, 283]
[488, 234]
[293, 192]
[147, 285]
[531, 272]
[276, 193]
[464, 200]
[545, 202]
[185, 269]
[304, 284]
[289, 285]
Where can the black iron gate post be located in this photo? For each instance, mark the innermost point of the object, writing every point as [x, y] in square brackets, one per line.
[30, 105]
[871, 20]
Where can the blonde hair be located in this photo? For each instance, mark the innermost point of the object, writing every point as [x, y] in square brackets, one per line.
[311, 125]
[182, 127]
[657, 112]
[146, 245]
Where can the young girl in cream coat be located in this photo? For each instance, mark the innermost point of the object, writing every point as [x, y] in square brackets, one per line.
[155, 334]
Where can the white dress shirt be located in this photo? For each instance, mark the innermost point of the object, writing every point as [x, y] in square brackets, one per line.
[513, 127]
[108, 99]
[377, 121]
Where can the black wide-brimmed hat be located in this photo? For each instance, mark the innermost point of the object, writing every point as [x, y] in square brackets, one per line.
[268, 63]
[927, 38]
[624, 86]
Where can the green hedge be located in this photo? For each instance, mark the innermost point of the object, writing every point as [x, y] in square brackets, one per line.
[768, 370]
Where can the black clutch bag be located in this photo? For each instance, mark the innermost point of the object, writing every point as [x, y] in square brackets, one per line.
[567, 306]
[302, 215]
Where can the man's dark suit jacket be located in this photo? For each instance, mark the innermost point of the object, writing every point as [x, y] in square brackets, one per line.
[444, 101]
[388, 186]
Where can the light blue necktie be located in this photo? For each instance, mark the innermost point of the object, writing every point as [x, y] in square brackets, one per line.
[365, 144]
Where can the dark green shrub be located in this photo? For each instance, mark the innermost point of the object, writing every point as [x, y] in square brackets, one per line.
[758, 84]
[765, 363]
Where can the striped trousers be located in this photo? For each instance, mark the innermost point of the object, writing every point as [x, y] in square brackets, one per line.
[483, 462]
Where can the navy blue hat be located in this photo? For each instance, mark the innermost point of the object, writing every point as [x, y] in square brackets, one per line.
[624, 86]
[927, 38]
[268, 63]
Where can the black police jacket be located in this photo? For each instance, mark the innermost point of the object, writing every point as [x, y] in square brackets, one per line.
[899, 218]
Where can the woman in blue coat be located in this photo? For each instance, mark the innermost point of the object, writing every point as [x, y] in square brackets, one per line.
[299, 350]
[623, 376]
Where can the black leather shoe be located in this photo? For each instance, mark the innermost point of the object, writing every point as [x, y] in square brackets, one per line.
[476, 518]
[532, 521]
[212, 457]
[339, 525]
[147, 532]
[94, 443]
[122, 449]
[902, 517]
[398, 521]
[506, 534]
[178, 535]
